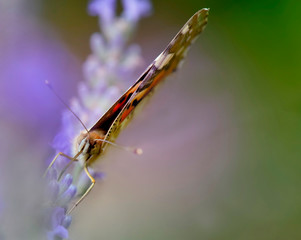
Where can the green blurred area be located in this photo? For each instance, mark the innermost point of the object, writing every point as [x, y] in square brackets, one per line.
[255, 47]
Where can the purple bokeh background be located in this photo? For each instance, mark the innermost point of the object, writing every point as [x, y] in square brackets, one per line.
[31, 53]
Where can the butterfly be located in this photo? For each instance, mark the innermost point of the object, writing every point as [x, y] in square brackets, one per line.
[92, 143]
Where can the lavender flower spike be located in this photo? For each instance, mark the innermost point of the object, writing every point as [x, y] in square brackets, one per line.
[107, 72]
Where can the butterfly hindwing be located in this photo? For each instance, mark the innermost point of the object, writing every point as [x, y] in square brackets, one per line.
[167, 62]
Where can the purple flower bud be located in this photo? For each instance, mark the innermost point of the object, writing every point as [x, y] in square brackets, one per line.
[66, 182]
[99, 175]
[105, 9]
[67, 196]
[135, 9]
[57, 216]
[58, 233]
[98, 45]
[67, 221]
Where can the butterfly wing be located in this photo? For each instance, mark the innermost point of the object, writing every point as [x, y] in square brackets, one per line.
[168, 61]
[116, 118]
[106, 121]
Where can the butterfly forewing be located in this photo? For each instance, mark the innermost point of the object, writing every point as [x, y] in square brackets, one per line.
[167, 62]
[106, 121]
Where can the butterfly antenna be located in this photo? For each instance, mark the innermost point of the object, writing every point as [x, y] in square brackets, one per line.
[66, 105]
[134, 150]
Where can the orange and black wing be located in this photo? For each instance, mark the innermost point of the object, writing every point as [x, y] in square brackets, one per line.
[106, 121]
[167, 62]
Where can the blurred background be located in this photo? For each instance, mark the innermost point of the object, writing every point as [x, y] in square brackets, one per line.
[221, 138]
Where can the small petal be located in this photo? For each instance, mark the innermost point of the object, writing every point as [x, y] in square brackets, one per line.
[132, 60]
[67, 196]
[105, 9]
[58, 233]
[99, 175]
[62, 140]
[90, 66]
[57, 217]
[98, 45]
[135, 9]
[66, 182]
[67, 221]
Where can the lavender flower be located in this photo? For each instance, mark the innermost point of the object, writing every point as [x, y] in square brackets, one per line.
[107, 71]
[134, 10]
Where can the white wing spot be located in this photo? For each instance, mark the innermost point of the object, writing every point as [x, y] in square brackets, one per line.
[165, 60]
[157, 58]
[185, 29]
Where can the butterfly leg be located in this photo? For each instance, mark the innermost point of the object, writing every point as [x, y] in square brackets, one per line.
[53, 161]
[87, 191]
[72, 159]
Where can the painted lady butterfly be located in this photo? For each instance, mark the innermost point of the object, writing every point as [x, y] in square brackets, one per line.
[91, 144]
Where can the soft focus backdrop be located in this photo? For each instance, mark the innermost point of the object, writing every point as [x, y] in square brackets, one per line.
[221, 137]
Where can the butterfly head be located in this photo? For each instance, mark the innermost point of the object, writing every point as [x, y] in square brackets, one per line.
[89, 144]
